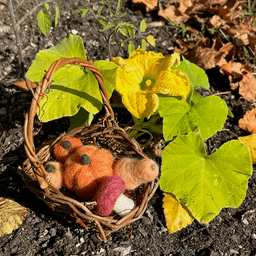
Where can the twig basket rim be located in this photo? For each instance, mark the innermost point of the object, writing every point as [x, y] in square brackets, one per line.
[33, 172]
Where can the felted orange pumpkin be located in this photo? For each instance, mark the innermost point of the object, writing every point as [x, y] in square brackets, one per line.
[54, 173]
[65, 147]
[134, 172]
[86, 168]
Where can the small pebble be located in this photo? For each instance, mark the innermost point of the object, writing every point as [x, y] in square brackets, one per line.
[74, 32]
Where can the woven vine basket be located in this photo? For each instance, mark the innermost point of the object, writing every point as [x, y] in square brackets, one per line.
[107, 135]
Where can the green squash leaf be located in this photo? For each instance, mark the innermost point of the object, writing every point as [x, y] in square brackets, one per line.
[71, 46]
[205, 184]
[208, 114]
[196, 75]
[72, 86]
[108, 71]
[82, 118]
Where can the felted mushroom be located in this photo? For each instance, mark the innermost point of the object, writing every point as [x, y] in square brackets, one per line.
[110, 197]
[86, 168]
[65, 147]
[54, 174]
[134, 172]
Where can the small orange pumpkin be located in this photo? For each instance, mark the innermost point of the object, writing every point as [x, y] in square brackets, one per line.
[54, 173]
[86, 168]
[65, 147]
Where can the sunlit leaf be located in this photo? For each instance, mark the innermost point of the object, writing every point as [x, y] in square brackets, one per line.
[11, 215]
[177, 217]
[208, 114]
[44, 22]
[143, 44]
[196, 75]
[57, 16]
[250, 142]
[205, 184]
[151, 40]
[143, 26]
[131, 48]
[72, 86]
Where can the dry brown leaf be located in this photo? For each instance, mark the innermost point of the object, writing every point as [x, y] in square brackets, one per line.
[150, 5]
[173, 14]
[241, 79]
[209, 57]
[252, 41]
[22, 85]
[183, 47]
[248, 122]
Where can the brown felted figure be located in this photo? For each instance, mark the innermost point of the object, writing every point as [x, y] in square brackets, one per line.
[86, 168]
[65, 147]
[134, 172]
[54, 174]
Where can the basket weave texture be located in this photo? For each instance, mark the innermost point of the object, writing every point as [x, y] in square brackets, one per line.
[107, 135]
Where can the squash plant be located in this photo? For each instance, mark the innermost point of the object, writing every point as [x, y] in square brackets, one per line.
[196, 185]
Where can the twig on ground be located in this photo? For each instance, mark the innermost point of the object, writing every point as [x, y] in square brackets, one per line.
[18, 42]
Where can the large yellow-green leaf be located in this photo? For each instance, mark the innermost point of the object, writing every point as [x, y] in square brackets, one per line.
[11, 215]
[71, 46]
[196, 75]
[205, 184]
[108, 71]
[72, 86]
[69, 91]
[208, 114]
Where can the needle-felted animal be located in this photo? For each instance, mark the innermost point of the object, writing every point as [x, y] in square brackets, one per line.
[86, 168]
[65, 147]
[134, 172]
[54, 173]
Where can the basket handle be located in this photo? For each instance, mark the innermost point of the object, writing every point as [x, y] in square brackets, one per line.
[39, 93]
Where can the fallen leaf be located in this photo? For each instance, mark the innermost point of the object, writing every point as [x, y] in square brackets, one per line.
[22, 85]
[248, 122]
[172, 13]
[149, 4]
[177, 217]
[11, 215]
[209, 55]
[252, 41]
[250, 142]
[241, 79]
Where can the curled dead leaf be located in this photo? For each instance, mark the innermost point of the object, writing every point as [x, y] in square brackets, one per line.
[248, 122]
[208, 55]
[172, 13]
[241, 79]
[22, 85]
[150, 5]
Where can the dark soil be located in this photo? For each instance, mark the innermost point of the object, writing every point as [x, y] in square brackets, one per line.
[232, 232]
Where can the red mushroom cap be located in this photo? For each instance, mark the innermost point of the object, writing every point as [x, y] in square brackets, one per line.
[107, 194]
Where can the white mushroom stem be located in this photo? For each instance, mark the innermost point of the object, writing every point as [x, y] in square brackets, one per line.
[123, 205]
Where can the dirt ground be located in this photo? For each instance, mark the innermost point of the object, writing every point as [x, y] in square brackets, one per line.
[232, 232]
